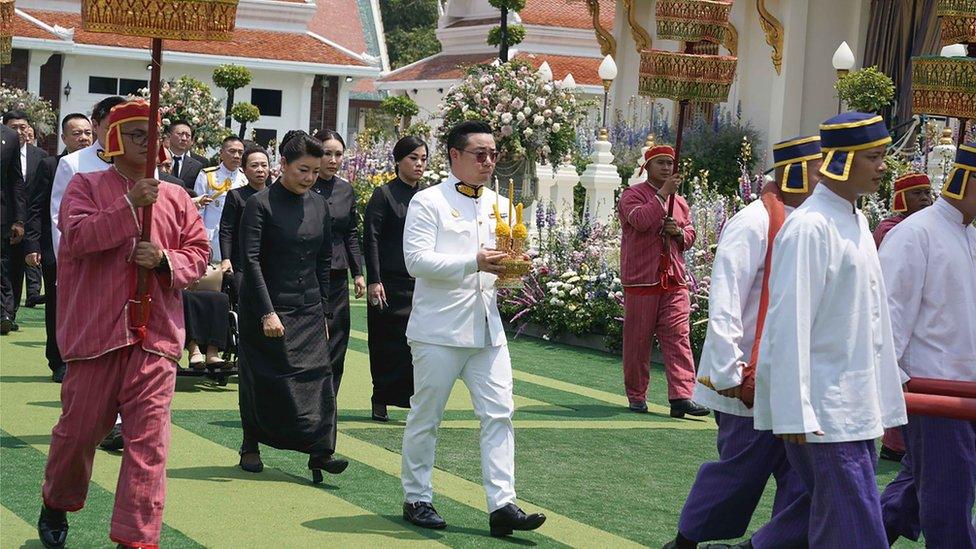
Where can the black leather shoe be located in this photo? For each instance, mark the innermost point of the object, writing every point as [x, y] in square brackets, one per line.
[503, 521]
[250, 466]
[57, 375]
[34, 301]
[114, 439]
[638, 406]
[6, 326]
[683, 406]
[329, 464]
[423, 514]
[380, 414]
[891, 455]
[52, 528]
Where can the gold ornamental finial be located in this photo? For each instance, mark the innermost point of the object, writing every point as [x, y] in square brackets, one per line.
[604, 135]
[946, 138]
[649, 142]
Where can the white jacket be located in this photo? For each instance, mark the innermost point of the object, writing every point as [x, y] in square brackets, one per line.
[453, 303]
[929, 264]
[827, 359]
[81, 161]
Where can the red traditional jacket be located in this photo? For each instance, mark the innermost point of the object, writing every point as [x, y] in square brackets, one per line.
[885, 226]
[642, 214]
[96, 276]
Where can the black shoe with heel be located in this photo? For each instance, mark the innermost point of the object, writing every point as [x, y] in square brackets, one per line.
[329, 464]
[52, 528]
[251, 467]
[502, 522]
[380, 413]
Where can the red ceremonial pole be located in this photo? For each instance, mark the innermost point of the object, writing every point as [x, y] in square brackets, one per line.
[944, 387]
[142, 298]
[950, 407]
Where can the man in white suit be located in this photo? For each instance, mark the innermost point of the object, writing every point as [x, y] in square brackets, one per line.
[455, 331]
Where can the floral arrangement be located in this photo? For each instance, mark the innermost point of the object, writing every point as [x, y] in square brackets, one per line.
[189, 99]
[39, 111]
[532, 118]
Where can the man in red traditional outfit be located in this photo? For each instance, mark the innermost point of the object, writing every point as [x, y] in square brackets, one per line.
[656, 298]
[114, 366]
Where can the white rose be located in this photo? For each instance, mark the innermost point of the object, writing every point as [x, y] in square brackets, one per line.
[506, 118]
[538, 120]
[528, 132]
[520, 117]
[527, 111]
[556, 127]
[559, 110]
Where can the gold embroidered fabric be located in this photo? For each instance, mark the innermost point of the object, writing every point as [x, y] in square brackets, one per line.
[944, 86]
[686, 76]
[170, 19]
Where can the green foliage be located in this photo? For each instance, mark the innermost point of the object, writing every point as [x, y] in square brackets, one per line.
[245, 112]
[512, 5]
[189, 99]
[409, 26]
[231, 77]
[516, 33]
[400, 106]
[39, 111]
[867, 90]
[717, 151]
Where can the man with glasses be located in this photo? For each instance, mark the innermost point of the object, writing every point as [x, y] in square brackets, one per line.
[76, 134]
[115, 367]
[186, 163]
[212, 186]
[455, 330]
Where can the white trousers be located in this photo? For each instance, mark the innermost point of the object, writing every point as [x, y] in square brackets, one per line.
[487, 372]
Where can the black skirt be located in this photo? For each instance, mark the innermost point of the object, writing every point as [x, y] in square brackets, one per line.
[338, 324]
[207, 318]
[390, 362]
[286, 396]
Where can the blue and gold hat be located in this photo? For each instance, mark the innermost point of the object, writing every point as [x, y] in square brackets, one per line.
[793, 156]
[845, 134]
[963, 171]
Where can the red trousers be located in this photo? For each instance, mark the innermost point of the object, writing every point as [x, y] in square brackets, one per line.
[665, 316]
[893, 439]
[139, 386]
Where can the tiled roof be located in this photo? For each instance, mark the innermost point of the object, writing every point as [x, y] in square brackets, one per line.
[252, 43]
[452, 67]
[347, 23]
[566, 13]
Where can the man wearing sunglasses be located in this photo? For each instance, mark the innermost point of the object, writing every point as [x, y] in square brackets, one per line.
[455, 330]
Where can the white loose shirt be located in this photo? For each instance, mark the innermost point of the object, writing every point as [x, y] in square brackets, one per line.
[827, 359]
[733, 306]
[211, 212]
[453, 303]
[81, 161]
[929, 266]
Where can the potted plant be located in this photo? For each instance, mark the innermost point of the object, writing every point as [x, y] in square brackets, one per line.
[866, 90]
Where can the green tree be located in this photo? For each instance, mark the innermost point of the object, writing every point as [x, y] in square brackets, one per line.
[402, 109]
[245, 113]
[867, 90]
[504, 35]
[230, 78]
[410, 26]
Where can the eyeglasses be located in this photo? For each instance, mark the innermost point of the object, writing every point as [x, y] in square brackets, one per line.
[482, 156]
[139, 138]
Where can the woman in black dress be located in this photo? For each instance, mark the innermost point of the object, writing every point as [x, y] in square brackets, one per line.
[390, 290]
[286, 396]
[256, 169]
[346, 256]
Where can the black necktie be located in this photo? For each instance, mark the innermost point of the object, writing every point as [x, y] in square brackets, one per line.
[176, 165]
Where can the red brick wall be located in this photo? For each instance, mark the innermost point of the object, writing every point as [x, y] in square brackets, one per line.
[324, 100]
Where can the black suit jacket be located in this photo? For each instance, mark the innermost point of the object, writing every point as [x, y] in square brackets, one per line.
[34, 157]
[13, 190]
[345, 223]
[38, 235]
[203, 160]
[189, 170]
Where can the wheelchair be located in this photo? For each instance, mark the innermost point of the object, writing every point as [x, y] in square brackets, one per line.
[220, 374]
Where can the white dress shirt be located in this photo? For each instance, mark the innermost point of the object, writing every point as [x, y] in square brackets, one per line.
[733, 306]
[453, 303]
[827, 359]
[23, 160]
[929, 266]
[81, 161]
[211, 212]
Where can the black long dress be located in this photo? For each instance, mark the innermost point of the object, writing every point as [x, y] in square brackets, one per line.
[286, 396]
[230, 224]
[346, 260]
[390, 362]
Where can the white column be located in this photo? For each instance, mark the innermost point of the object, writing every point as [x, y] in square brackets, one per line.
[547, 178]
[305, 103]
[342, 107]
[36, 59]
[600, 181]
[561, 192]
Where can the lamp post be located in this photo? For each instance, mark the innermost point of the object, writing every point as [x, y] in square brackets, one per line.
[607, 72]
[843, 62]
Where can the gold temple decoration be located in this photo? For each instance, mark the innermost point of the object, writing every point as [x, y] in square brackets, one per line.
[686, 76]
[209, 20]
[6, 30]
[731, 41]
[693, 20]
[641, 37]
[608, 44]
[958, 19]
[774, 34]
[944, 86]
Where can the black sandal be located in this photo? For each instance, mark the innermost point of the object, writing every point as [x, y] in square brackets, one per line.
[251, 467]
